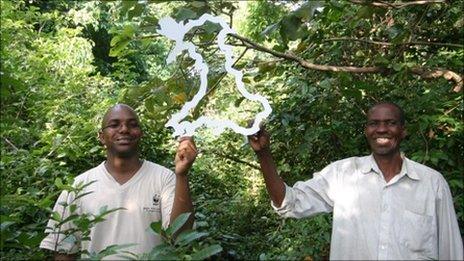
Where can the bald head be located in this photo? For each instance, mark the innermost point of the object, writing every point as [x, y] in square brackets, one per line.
[116, 108]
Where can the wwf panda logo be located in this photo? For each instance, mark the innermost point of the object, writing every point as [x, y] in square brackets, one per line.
[156, 199]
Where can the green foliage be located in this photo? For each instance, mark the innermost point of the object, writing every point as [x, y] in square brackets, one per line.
[64, 63]
[73, 226]
[183, 246]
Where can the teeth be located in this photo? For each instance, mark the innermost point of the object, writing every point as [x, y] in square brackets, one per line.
[382, 140]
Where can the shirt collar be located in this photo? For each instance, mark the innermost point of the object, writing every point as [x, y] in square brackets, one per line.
[370, 165]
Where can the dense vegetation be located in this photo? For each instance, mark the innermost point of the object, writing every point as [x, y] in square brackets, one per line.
[320, 63]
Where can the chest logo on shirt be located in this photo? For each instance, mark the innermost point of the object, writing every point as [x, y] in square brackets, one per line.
[156, 200]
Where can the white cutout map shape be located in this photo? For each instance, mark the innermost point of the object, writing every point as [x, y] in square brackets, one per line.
[176, 31]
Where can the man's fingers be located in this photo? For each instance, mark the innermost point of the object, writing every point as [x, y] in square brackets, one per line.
[184, 138]
[262, 124]
[187, 141]
[250, 123]
[187, 146]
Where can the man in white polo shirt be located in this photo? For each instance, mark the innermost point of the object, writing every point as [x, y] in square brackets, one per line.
[385, 206]
[146, 192]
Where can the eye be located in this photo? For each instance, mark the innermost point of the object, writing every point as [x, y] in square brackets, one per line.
[391, 123]
[112, 125]
[134, 125]
[371, 123]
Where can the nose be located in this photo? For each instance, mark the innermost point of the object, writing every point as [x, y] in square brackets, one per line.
[123, 128]
[381, 127]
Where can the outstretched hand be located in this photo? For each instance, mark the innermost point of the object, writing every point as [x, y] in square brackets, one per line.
[185, 156]
[259, 141]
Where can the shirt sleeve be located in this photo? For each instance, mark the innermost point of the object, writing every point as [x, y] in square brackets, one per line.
[311, 197]
[167, 197]
[449, 238]
[62, 238]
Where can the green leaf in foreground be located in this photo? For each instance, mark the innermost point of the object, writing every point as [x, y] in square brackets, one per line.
[188, 236]
[207, 252]
[156, 226]
[178, 223]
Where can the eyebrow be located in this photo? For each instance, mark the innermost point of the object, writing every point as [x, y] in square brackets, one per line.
[116, 119]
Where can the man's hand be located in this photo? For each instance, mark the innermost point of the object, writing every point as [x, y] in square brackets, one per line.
[259, 141]
[185, 156]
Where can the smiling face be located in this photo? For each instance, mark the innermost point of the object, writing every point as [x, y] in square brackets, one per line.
[121, 132]
[385, 129]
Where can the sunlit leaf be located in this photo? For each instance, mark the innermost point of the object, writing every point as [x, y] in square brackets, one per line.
[178, 223]
[187, 237]
[156, 226]
[207, 252]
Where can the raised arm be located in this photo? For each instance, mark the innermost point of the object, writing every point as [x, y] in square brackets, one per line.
[260, 143]
[185, 156]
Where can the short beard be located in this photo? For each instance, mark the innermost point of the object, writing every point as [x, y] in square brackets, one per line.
[125, 154]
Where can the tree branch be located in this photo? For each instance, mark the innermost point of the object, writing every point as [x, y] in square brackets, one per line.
[10, 143]
[390, 44]
[384, 4]
[422, 72]
[235, 159]
[305, 63]
[436, 73]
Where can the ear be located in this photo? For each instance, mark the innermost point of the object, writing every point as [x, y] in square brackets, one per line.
[100, 137]
[404, 133]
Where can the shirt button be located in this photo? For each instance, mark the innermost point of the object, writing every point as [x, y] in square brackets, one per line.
[382, 247]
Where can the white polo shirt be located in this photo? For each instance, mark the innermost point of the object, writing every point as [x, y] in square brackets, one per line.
[147, 197]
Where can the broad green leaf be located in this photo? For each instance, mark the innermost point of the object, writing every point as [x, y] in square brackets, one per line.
[109, 250]
[59, 183]
[163, 252]
[128, 31]
[83, 195]
[211, 27]
[270, 29]
[68, 219]
[136, 11]
[306, 10]
[180, 98]
[56, 216]
[184, 14]
[126, 6]
[119, 47]
[116, 39]
[81, 185]
[177, 224]
[6, 224]
[239, 101]
[188, 236]
[397, 67]
[207, 252]
[289, 27]
[365, 12]
[150, 104]
[198, 4]
[156, 226]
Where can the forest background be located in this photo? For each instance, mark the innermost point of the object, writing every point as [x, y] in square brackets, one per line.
[320, 64]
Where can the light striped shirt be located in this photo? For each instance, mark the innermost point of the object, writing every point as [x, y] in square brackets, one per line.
[410, 217]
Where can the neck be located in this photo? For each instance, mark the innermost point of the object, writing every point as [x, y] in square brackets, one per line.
[390, 165]
[122, 169]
